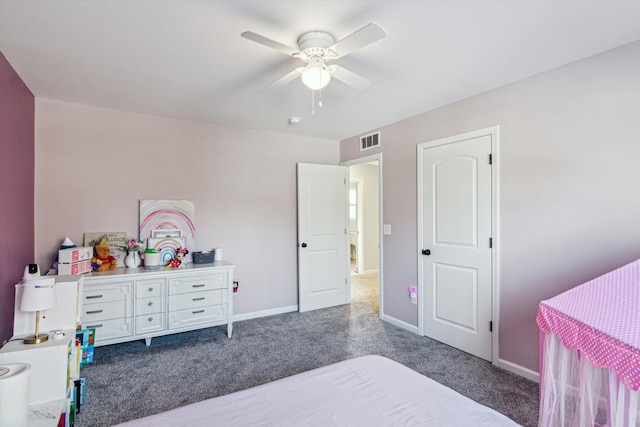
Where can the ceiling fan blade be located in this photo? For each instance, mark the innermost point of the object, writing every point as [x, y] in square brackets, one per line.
[249, 35]
[349, 77]
[287, 78]
[364, 36]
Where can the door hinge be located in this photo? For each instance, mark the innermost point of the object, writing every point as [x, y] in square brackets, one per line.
[490, 325]
[490, 242]
[490, 159]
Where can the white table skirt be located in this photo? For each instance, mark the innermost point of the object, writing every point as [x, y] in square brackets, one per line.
[574, 393]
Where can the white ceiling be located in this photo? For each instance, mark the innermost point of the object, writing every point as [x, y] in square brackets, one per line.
[186, 59]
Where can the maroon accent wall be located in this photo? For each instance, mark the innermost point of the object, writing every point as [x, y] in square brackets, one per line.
[17, 176]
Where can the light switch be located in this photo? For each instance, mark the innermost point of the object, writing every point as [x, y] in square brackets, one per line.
[386, 229]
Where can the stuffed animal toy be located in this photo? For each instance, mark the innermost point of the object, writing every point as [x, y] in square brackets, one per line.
[174, 263]
[103, 260]
[178, 261]
[180, 254]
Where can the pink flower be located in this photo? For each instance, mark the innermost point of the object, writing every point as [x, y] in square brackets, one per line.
[132, 245]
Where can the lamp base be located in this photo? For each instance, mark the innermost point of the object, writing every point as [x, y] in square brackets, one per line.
[36, 339]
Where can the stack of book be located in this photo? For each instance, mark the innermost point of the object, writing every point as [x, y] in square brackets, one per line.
[80, 354]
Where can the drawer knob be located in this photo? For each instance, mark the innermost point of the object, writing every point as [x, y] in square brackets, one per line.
[199, 299]
[93, 296]
[197, 312]
[94, 311]
[150, 303]
[199, 286]
[150, 319]
[150, 289]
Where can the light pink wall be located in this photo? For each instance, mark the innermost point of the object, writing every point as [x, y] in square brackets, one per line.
[16, 188]
[569, 198]
[93, 165]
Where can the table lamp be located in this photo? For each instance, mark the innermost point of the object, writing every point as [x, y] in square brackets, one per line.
[38, 294]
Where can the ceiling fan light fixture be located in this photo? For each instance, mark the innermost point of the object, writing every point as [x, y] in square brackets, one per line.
[316, 76]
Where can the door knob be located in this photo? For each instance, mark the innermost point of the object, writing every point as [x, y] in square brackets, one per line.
[304, 245]
[426, 252]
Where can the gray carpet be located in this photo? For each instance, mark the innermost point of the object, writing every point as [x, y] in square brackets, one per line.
[129, 380]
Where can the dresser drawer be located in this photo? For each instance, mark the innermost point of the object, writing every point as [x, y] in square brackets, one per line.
[197, 316]
[107, 310]
[150, 323]
[180, 285]
[117, 291]
[150, 287]
[150, 305]
[197, 299]
[113, 328]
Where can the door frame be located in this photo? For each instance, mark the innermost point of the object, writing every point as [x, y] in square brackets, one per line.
[359, 161]
[495, 229]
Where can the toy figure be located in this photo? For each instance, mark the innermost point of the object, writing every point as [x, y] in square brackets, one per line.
[178, 261]
[103, 260]
[180, 254]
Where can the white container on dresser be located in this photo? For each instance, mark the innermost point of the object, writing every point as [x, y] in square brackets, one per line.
[133, 303]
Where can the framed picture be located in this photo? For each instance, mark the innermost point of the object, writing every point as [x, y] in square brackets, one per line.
[115, 239]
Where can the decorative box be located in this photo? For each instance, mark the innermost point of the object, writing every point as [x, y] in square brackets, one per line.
[205, 257]
[67, 256]
[74, 267]
[75, 260]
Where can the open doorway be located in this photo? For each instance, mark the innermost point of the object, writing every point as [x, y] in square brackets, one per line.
[364, 232]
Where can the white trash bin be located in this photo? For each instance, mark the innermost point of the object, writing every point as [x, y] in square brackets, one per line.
[14, 394]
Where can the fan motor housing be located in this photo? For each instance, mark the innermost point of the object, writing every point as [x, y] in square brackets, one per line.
[315, 43]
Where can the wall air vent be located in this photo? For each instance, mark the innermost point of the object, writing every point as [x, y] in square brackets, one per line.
[370, 141]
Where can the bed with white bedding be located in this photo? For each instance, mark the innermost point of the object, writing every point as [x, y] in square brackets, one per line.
[365, 391]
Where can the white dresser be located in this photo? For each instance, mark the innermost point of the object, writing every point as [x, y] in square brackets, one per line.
[133, 303]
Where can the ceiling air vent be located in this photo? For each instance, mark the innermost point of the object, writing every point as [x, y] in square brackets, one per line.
[370, 141]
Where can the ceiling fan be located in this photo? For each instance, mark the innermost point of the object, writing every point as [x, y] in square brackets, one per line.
[317, 49]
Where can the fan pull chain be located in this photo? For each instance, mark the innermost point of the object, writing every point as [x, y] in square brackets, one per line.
[313, 101]
[320, 79]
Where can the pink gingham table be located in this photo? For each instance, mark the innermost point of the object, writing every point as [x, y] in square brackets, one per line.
[601, 319]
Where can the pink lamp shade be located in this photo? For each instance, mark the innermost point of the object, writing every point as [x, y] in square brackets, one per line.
[38, 294]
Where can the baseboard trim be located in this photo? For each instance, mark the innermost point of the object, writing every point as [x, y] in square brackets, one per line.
[400, 324]
[264, 313]
[518, 370]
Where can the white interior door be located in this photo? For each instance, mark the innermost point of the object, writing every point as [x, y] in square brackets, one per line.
[323, 239]
[455, 260]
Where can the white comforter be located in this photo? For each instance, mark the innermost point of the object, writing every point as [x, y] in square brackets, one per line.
[365, 391]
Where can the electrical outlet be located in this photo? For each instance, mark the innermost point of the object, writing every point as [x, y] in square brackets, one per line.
[386, 229]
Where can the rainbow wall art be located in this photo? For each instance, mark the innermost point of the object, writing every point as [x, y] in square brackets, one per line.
[168, 224]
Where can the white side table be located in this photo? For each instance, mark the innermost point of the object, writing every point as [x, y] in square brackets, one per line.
[49, 362]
